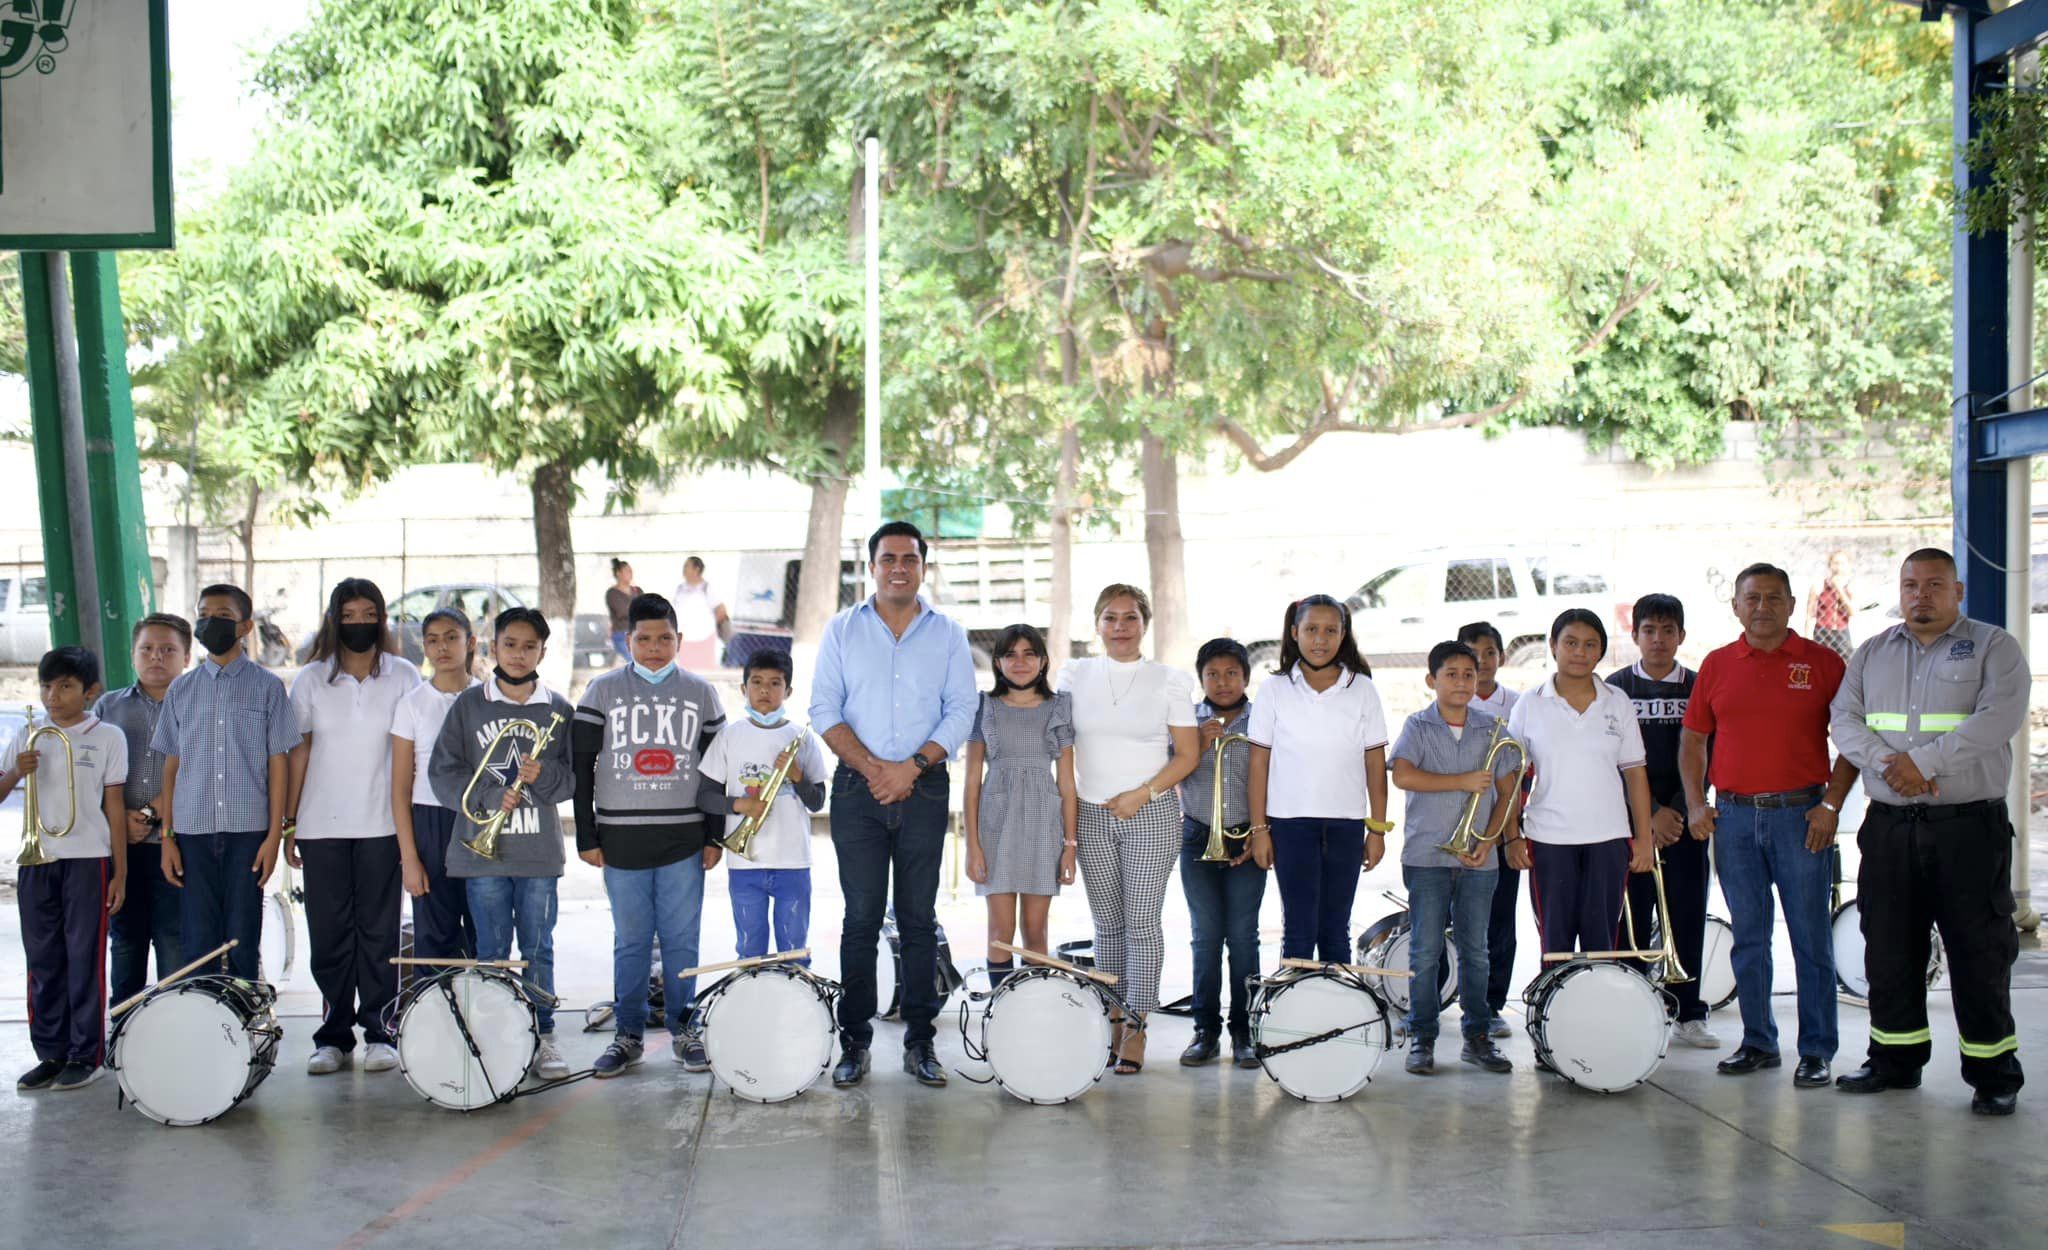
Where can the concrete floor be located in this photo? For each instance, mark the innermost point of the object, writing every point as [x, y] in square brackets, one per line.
[1213, 1157]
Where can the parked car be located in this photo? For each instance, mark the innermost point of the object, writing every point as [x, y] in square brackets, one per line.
[1400, 613]
[763, 603]
[480, 602]
[24, 618]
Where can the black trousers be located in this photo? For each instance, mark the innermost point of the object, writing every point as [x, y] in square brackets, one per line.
[352, 891]
[64, 939]
[1686, 876]
[441, 927]
[1577, 889]
[1500, 934]
[1948, 867]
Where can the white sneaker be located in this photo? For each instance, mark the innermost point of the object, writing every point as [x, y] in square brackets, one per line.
[548, 1063]
[379, 1057]
[1696, 1033]
[326, 1061]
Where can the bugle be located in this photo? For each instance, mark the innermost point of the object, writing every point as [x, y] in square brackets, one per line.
[491, 824]
[33, 830]
[1218, 849]
[1464, 839]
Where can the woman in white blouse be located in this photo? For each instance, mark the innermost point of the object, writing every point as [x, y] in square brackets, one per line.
[1134, 740]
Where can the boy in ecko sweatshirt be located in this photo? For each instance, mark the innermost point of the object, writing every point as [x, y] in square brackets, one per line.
[512, 894]
[640, 734]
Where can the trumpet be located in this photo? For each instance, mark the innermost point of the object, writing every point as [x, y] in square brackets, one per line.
[1664, 964]
[1218, 850]
[1465, 840]
[33, 830]
[741, 840]
[491, 824]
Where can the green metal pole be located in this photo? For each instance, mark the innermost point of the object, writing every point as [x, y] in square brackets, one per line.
[47, 427]
[113, 468]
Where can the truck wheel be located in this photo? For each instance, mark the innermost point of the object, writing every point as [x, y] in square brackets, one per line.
[1264, 656]
[1528, 653]
[983, 662]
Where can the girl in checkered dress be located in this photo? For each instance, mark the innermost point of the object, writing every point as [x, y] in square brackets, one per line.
[1020, 815]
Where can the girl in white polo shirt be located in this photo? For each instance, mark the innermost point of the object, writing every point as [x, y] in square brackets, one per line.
[346, 839]
[1318, 778]
[1586, 824]
[441, 927]
[1134, 741]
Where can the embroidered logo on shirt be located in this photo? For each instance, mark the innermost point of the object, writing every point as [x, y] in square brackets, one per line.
[654, 762]
[1962, 649]
[1799, 677]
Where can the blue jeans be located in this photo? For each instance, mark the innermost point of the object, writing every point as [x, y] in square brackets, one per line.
[502, 907]
[1223, 909]
[221, 898]
[758, 894]
[620, 645]
[149, 918]
[1463, 900]
[872, 839]
[669, 901]
[1317, 863]
[1756, 848]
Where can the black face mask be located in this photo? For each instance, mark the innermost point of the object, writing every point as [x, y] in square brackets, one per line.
[360, 637]
[216, 633]
[1228, 710]
[509, 680]
[1317, 668]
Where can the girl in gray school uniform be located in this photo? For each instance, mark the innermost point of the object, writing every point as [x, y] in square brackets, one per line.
[1020, 816]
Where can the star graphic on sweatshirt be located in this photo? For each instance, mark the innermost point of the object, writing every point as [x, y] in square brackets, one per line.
[506, 771]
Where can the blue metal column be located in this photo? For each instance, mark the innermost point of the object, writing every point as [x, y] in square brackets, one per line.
[1980, 353]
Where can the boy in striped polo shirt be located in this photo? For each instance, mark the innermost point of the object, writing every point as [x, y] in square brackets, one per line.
[640, 734]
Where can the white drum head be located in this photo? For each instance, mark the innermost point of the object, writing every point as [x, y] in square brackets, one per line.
[768, 1034]
[1717, 964]
[885, 979]
[1311, 1005]
[436, 1059]
[184, 1056]
[1848, 930]
[278, 949]
[1046, 1036]
[1604, 1026]
[1392, 952]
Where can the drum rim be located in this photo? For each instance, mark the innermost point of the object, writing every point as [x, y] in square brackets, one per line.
[502, 977]
[1274, 986]
[1537, 998]
[1034, 975]
[259, 1032]
[706, 1007]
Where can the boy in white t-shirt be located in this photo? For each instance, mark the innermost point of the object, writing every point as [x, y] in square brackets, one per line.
[773, 881]
[65, 903]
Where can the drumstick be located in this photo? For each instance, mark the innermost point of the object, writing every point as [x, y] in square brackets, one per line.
[461, 963]
[781, 957]
[1558, 957]
[209, 956]
[1362, 969]
[1049, 961]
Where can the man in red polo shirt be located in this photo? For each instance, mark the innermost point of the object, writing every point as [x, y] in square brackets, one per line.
[1764, 698]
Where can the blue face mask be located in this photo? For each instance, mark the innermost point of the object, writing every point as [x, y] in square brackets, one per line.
[766, 720]
[655, 675]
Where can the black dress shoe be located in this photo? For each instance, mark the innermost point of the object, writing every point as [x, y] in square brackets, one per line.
[1480, 1052]
[1203, 1049]
[853, 1065]
[1869, 1080]
[1812, 1073]
[1995, 1104]
[1243, 1053]
[1748, 1059]
[920, 1062]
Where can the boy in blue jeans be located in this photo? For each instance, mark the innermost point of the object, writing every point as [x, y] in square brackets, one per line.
[640, 733]
[774, 880]
[1440, 761]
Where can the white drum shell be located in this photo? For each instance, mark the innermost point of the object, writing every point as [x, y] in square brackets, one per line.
[437, 1061]
[768, 1032]
[1045, 1033]
[1717, 964]
[187, 1054]
[1848, 938]
[1600, 1026]
[1289, 1010]
[1392, 952]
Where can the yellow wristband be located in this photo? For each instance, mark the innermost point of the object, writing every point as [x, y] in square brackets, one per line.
[1380, 826]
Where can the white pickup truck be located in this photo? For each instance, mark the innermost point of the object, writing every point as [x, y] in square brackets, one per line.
[24, 618]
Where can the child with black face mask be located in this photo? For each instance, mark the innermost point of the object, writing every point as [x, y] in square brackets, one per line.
[343, 832]
[225, 729]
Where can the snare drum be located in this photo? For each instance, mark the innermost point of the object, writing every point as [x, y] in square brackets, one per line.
[1320, 1034]
[1045, 1034]
[193, 1050]
[769, 1030]
[1717, 964]
[1598, 1024]
[466, 1036]
[1384, 944]
[1847, 923]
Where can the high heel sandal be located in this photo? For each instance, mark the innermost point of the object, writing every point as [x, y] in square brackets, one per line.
[1116, 1037]
[1133, 1038]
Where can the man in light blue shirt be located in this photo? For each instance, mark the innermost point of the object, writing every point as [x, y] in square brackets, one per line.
[894, 698]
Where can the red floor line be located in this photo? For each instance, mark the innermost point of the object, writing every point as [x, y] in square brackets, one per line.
[475, 1163]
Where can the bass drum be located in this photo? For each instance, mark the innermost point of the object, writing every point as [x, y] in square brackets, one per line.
[769, 1031]
[1320, 1034]
[889, 969]
[1717, 961]
[466, 1037]
[1598, 1025]
[193, 1050]
[1847, 924]
[1384, 944]
[1045, 1035]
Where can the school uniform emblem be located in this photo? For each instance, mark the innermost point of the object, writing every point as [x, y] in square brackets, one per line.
[1962, 649]
[1799, 677]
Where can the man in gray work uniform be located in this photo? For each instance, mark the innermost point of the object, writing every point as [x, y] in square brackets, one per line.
[1927, 711]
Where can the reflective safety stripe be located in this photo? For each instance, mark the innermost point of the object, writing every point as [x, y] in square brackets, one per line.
[1886, 722]
[1914, 1038]
[1941, 722]
[1984, 1050]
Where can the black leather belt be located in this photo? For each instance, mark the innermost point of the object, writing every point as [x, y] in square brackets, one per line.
[1941, 811]
[1782, 798]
